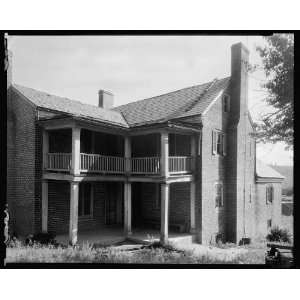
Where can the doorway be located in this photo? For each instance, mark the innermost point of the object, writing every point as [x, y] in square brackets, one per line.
[114, 212]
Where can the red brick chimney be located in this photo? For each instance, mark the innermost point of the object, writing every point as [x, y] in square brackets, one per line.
[106, 99]
[237, 135]
[239, 81]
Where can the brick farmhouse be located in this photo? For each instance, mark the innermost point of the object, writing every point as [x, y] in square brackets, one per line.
[183, 161]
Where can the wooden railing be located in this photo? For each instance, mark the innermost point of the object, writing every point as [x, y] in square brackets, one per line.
[100, 163]
[145, 165]
[96, 163]
[180, 164]
[58, 161]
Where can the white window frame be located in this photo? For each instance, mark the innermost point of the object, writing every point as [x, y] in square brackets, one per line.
[226, 103]
[215, 135]
[81, 198]
[221, 204]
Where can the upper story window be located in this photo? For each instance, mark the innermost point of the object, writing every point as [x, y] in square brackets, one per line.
[85, 201]
[218, 142]
[226, 103]
[219, 194]
[269, 194]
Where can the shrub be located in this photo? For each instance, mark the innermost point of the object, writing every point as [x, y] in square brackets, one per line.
[279, 235]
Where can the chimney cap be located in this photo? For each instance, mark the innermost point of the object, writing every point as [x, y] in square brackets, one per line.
[240, 45]
[106, 92]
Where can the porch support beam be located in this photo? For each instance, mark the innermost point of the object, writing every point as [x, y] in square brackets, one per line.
[164, 213]
[73, 229]
[192, 206]
[75, 169]
[45, 148]
[164, 159]
[127, 209]
[44, 206]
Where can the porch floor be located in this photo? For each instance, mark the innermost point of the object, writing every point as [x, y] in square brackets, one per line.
[111, 236]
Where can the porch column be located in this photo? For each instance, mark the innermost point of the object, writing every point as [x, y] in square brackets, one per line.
[45, 148]
[193, 152]
[127, 153]
[127, 208]
[164, 159]
[44, 206]
[164, 222]
[193, 183]
[75, 170]
[74, 194]
[192, 199]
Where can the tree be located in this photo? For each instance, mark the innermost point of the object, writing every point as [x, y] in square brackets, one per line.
[278, 64]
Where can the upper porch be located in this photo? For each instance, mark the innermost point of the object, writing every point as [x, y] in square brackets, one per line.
[76, 148]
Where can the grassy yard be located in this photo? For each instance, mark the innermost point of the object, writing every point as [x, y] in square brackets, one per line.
[138, 254]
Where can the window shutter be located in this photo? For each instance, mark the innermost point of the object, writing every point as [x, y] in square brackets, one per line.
[267, 189]
[224, 137]
[214, 142]
[271, 193]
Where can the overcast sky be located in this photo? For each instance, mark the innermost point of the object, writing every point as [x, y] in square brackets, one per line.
[134, 68]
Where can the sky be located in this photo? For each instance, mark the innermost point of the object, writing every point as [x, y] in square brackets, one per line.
[134, 68]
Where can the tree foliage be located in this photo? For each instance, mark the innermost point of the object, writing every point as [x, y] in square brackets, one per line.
[278, 64]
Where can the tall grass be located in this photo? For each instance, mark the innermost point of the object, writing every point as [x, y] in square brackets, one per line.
[154, 254]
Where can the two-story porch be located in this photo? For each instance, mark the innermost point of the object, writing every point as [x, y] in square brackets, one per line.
[98, 177]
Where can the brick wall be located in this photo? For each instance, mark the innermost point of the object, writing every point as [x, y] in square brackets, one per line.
[213, 170]
[179, 203]
[59, 206]
[21, 167]
[38, 179]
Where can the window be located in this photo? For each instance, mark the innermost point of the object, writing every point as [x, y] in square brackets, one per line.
[269, 223]
[226, 103]
[218, 143]
[219, 194]
[269, 194]
[85, 205]
[157, 196]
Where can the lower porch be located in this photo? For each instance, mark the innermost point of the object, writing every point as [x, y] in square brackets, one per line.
[108, 212]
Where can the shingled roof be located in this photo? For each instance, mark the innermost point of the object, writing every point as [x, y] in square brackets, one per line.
[265, 171]
[73, 107]
[182, 103]
[185, 102]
